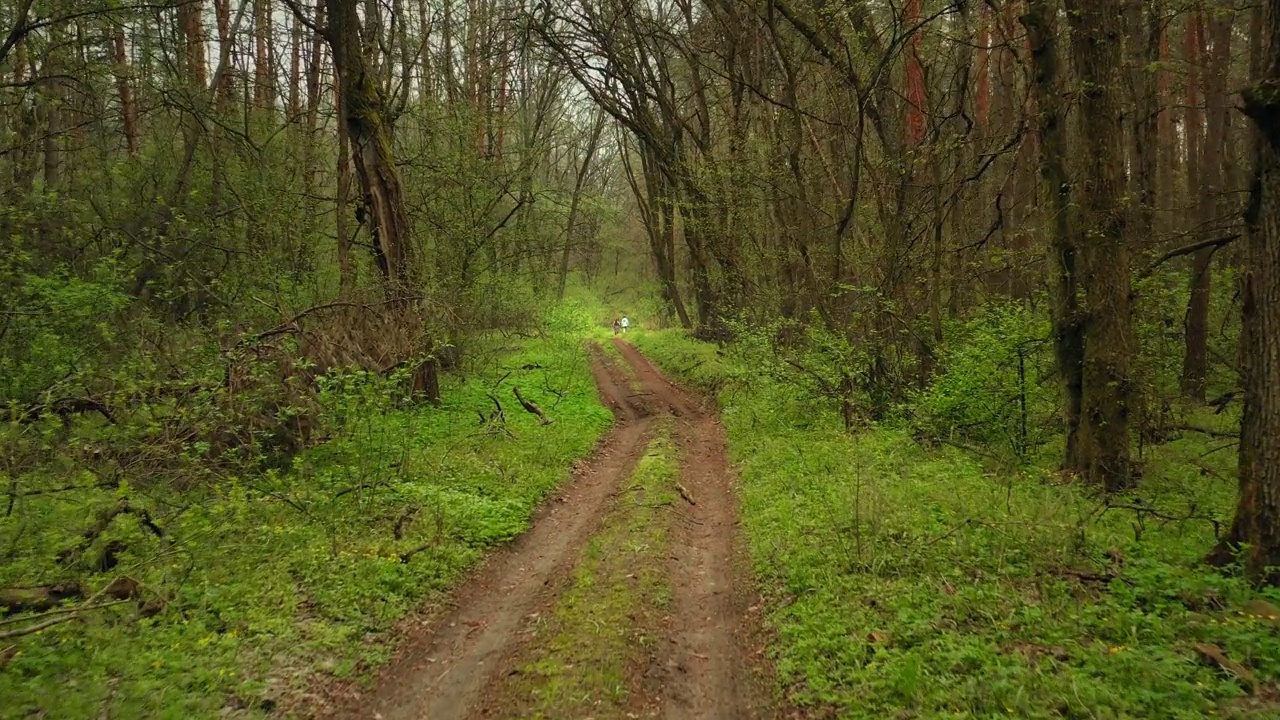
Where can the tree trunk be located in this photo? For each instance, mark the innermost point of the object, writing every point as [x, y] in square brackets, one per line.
[364, 112]
[263, 72]
[346, 271]
[295, 71]
[51, 99]
[596, 130]
[1102, 450]
[1068, 332]
[1145, 26]
[915, 75]
[128, 111]
[191, 18]
[1212, 147]
[1256, 529]
[226, 45]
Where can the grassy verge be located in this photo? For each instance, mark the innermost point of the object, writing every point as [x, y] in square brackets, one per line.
[259, 581]
[909, 580]
[588, 655]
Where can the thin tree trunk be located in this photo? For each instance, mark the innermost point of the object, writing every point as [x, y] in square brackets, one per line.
[596, 130]
[1212, 146]
[128, 111]
[1068, 333]
[346, 271]
[295, 71]
[191, 18]
[263, 73]
[51, 99]
[226, 44]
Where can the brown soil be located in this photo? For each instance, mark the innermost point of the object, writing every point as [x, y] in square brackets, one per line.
[451, 667]
[707, 674]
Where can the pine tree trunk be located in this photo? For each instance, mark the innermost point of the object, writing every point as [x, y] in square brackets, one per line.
[263, 72]
[295, 71]
[128, 110]
[222, 16]
[1256, 529]
[1210, 167]
[1102, 450]
[191, 18]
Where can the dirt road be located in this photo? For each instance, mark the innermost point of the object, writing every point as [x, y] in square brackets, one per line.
[460, 665]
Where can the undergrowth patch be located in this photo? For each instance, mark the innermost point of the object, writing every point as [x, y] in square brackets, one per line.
[913, 582]
[259, 580]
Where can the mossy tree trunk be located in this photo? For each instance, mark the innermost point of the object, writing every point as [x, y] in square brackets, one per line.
[1256, 529]
[1046, 91]
[369, 131]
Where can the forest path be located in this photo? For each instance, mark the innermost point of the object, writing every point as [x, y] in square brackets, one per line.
[475, 660]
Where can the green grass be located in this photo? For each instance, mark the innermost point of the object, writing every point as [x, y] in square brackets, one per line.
[266, 579]
[587, 655]
[901, 578]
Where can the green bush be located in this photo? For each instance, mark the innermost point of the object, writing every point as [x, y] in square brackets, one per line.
[995, 388]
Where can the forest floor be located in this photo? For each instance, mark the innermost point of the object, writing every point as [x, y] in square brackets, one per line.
[627, 597]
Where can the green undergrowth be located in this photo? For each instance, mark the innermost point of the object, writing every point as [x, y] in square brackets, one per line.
[903, 579]
[588, 655]
[259, 581]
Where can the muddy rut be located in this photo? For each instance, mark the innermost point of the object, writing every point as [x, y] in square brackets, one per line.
[452, 668]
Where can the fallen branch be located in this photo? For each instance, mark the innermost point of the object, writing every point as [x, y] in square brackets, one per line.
[71, 555]
[123, 589]
[1213, 655]
[63, 408]
[9, 634]
[36, 599]
[1086, 576]
[403, 522]
[406, 556]
[60, 611]
[531, 407]
[1207, 431]
[685, 494]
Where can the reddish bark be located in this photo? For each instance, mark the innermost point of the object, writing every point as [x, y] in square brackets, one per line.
[915, 75]
[128, 109]
[982, 68]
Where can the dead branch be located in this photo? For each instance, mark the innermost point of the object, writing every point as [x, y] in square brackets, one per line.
[71, 555]
[403, 522]
[498, 414]
[531, 407]
[408, 555]
[63, 408]
[1207, 431]
[9, 634]
[1187, 250]
[121, 588]
[685, 494]
[38, 599]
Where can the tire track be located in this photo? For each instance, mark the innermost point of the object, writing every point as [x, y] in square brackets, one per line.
[442, 669]
[706, 673]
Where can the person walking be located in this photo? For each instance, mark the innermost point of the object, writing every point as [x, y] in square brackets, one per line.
[617, 326]
[625, 324]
